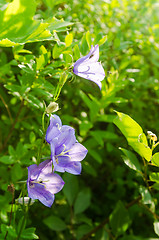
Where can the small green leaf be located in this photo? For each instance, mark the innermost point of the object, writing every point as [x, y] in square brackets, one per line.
[11, 231]
[76, 52]
[84, 45]
[55, 223]
[57, 50]
[119, 219]
[156, 227]
[102, 41]
[130, 160]
[32, 137]
[155, 159]
[82, 230]
[82, 201]
[7, 159]
[29, 234]
[84, 127]
[17, 172]
[88, 168]
[154, 176]
[88, 39]
[68, 39]
[146, 196]
[70, 188]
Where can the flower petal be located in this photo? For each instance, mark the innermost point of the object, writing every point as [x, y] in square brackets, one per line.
[39, 192]
[74, 168]
[54, 128]
[44, 168]
[93, 72]
[54, 183]
[71, 167]
[77, 152]
[64, 142]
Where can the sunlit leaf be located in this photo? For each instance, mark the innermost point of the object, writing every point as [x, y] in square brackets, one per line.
[134, 135]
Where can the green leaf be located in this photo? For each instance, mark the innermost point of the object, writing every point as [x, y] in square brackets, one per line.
[70, 188]
[88, 168]
[17, 172]
[68, 39]
[134, 135]
[154, 176]
[7, 159]
[21, 224]
[32, 137]
[93, 105]
[95, 155]
[102, 41]
[119, 219]
[82, 201]
[146, 196]
[76, 52]
[55, 223]
[84, 127]
[156, 227]
[82, 230]
[84, 45]
[11, 231]
[131, 160]
[29, 233]
[155, 159]
[57, 50]
[88, 39]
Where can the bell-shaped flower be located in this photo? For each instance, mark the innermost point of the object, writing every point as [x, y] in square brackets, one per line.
[43, 183]
[67, 153]
[89, 68]
[55, 128]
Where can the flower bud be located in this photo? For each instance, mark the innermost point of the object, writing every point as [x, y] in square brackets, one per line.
[151, 136]
[24, 201]
[52, 107]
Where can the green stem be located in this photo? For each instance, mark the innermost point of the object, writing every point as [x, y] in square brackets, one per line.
[24, 220]
[62, 81]
[10, 219]
[155, 145]
[145, 174]
[43, 137]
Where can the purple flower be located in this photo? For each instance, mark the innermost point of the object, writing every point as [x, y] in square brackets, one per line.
[89, 68]
[67, 153]
[43, 183]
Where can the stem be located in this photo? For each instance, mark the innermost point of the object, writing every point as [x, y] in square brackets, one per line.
[62, 81]
[155, 145]
[6, 106]
[145, 174]
[24, 219]
[10, 218]
[43, 137]
[150, 211]
[71, 222]
[22, 226]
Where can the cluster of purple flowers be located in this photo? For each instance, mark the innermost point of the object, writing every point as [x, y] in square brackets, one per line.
[66, 156]
[66, 152]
